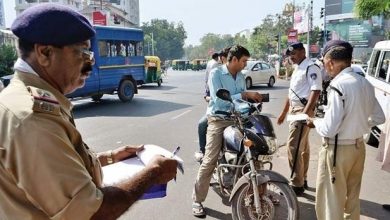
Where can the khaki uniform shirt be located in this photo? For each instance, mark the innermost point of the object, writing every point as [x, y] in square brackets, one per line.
[46, 171]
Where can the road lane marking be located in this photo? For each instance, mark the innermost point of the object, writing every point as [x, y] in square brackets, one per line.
[178, 116]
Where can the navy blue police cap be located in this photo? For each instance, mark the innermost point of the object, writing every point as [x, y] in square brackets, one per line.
[338, 43]
[52, 24]
[293, 46]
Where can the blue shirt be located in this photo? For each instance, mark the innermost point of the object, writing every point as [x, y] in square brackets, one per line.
[221, 78]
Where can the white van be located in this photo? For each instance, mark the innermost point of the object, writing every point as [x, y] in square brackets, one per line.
[378, 73]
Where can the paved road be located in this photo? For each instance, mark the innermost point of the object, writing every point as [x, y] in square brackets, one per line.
[168, 116]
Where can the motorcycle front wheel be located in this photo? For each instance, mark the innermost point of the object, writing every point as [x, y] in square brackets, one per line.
[278, 202]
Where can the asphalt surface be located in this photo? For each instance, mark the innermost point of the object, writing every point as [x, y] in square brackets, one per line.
[168, 116]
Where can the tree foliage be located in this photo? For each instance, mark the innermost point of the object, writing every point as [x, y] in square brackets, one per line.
[367, 8]
[260, 43]
[168, 38]
[8, 57]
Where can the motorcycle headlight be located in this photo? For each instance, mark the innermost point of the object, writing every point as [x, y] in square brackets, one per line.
[272, 144]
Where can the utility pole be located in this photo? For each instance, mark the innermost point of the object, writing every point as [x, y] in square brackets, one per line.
[325, 31]
[293, 11]
[309, 25]
[279, 44]
[152, 45]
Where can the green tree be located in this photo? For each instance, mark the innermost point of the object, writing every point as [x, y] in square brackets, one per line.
[367, 8]
[168, 38]
[8, 57]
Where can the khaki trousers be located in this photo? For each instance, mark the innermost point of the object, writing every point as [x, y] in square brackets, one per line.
[215, 129]
[339, 200]
[303, 158]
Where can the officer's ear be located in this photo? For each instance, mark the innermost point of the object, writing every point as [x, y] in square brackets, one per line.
[43, 53]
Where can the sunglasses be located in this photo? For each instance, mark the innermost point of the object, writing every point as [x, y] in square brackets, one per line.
[87, 53]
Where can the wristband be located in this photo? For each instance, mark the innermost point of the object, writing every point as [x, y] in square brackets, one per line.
[110, 158]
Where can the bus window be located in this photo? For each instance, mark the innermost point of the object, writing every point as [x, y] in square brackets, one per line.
[103, 48]
[373, 62]
[384, 67]
[139, 49]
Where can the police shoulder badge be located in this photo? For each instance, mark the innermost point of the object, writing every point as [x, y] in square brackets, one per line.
[313, 76]
[44, 101]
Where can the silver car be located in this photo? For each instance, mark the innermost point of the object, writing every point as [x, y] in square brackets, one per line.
[259, 72]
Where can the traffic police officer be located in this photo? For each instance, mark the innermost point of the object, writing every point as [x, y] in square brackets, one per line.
[305, 87]
[46, 170]
[352, 110]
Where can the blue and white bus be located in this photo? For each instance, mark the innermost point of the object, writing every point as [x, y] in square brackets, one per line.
[119, 65]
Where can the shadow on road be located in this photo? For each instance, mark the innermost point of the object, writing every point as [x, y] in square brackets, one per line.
[116, 108]
[155, 87]
[218, 215]
[373, 210]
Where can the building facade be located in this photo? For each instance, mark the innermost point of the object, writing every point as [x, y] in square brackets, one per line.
[2, 15]
[124, 13]
[344, 25]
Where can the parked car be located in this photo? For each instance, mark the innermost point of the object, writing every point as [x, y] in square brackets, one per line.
[359, 69]
[259, 72]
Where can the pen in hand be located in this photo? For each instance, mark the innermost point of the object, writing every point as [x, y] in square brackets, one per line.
[174, 154]
[175, 151]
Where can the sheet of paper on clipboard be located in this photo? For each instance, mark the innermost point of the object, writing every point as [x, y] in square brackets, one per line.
[297, 117]
[151, 150]
[117, 172]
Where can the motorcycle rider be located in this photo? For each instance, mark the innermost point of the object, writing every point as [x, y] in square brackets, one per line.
[202, 124]
[227, 76]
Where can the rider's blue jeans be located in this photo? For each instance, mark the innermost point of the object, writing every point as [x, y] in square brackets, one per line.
[202, 131]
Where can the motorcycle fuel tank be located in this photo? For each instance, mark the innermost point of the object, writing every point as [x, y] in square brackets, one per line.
[232, 138]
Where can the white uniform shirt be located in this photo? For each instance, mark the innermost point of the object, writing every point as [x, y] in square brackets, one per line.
[211, 64]
[359, 112]
[303, 83]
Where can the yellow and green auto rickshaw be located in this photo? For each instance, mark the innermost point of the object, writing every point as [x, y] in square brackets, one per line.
[180, 64]
[199, 64]
[153, 70]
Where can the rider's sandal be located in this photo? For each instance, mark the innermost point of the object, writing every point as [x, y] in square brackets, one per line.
[198, 210]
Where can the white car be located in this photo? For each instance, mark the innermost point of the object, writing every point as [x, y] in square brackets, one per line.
[259, 72]
[359, 69]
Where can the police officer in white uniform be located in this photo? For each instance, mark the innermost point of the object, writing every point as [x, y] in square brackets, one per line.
[305, 88]
[352, 110]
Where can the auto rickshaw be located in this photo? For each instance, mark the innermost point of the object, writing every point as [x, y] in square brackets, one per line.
[197, 64]
[180, 64]
[153, 70]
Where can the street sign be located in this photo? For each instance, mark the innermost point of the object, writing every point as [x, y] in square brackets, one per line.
[99, 18]
[292, 36]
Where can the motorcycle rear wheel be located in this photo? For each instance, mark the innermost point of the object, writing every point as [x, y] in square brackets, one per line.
[279, 202]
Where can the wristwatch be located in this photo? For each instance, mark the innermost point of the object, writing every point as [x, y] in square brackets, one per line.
[110, 158]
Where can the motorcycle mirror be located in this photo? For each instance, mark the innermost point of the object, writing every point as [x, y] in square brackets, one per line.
[224, 94]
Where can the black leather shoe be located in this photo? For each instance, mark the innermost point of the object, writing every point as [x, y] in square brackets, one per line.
[305, 185]
[298, 190]
[386, 206]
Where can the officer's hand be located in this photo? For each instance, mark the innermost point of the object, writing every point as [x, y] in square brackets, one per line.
[309, 123]
[163, 168]
[254, 96]
[125, 152]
